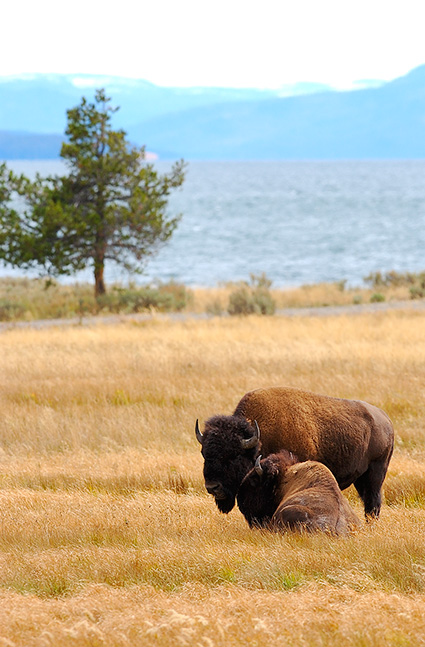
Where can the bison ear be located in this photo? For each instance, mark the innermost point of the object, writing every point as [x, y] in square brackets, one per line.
[199, 436]
[248, 443]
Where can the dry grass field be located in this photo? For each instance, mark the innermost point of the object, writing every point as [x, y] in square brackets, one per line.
[107, 536]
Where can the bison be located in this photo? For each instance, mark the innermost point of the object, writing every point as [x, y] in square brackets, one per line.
[281, 494]
[352, 438]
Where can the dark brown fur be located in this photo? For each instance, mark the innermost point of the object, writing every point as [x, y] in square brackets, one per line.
[352, 438]
[295, 496]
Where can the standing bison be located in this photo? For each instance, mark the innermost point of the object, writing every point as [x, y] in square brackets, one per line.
[352, 438]
[281, 495]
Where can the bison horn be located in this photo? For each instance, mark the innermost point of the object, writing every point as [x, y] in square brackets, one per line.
[258, 467]
[248, 443]
[199, 436]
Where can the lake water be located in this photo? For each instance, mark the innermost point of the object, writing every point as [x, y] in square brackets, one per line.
[299, 222]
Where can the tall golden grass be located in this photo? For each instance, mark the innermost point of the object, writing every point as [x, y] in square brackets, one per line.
[107, 536]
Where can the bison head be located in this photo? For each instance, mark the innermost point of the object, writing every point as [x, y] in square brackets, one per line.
[229, 447]
[258, 495]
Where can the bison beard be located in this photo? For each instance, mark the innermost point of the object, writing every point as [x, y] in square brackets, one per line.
[225, 505]
[352, 438]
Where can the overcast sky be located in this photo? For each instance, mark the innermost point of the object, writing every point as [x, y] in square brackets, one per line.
[236, 43]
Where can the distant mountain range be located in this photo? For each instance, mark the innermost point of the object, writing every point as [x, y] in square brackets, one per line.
[303, 121]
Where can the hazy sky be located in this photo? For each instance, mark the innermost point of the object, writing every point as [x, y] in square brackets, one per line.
[240, 43]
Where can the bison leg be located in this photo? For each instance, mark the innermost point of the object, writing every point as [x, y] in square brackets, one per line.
[369, 487]
[295, 517]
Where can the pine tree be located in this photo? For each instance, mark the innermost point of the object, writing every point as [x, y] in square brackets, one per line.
[111, 206]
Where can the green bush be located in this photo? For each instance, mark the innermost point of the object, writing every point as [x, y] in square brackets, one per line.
[252, 298]
[377, 298]
[241, 302]
[179, 296]
[167, 297]
[46, 299]
[10, 310]
[264, 302]
[390, 279]
[215, 308]
[133, 300]
[417, 292]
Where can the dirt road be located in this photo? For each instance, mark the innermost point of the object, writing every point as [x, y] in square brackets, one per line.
[324, 311]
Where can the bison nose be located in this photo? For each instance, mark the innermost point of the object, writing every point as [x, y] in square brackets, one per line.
[213, 487]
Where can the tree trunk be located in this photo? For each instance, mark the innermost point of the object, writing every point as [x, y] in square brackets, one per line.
[99, 262]
[99, 283]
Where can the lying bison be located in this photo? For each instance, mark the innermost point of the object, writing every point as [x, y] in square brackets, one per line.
[282, 494]
[352, 438]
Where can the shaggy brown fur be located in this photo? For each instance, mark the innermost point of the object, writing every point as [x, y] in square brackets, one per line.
[352, 438]
[295, 496]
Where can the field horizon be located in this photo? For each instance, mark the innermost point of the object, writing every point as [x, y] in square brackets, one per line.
[108, 536]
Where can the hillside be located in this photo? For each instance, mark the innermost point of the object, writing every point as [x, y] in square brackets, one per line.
[386, 121]
[38, 103]
[383, 122]
[21, 145]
